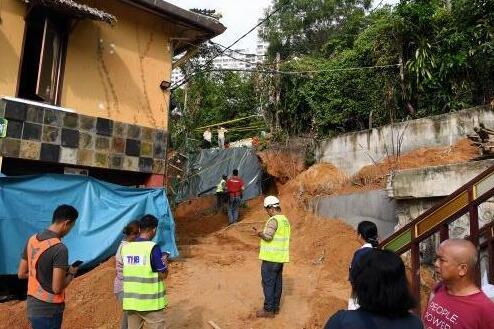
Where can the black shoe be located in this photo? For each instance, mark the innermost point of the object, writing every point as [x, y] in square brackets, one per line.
[264, 314]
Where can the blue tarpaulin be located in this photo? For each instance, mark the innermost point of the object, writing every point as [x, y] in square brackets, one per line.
[27, 204]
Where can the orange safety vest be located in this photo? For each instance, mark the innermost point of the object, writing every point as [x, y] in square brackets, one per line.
[35, 249]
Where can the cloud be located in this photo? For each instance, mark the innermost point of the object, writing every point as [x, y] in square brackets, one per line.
[238, 17]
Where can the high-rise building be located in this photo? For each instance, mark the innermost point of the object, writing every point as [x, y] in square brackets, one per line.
[232, 59]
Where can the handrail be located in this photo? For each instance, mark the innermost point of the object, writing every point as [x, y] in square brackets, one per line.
[461, 199]
[464, 200]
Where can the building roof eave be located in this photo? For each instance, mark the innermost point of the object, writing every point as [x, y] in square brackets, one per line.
[76, 10]
[211, 26]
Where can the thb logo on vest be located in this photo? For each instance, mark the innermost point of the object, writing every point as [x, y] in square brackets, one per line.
[134, 260]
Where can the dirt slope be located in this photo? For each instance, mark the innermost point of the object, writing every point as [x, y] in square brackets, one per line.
[218, 275]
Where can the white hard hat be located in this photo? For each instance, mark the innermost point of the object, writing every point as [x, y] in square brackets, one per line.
[271, 201]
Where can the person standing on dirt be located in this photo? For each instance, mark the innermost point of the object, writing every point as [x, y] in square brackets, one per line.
[131, 232]
[235, 187]
[221, 193]
[367, 234]
[274, 253]
[45, 264]
[144, 272]
[457, 302]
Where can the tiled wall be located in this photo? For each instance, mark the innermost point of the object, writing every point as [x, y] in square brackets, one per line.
[38, 133]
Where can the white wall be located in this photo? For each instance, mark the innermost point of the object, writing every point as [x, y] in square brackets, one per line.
[350, 152]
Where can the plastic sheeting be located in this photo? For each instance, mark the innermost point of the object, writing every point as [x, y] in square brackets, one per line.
[27, 204]
[207, 167]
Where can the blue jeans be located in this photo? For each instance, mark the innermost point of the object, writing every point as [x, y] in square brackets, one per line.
[233, 206]
[45, 322]
[272, 285]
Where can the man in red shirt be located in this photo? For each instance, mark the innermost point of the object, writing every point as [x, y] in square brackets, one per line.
[457, 302]
[234, 187]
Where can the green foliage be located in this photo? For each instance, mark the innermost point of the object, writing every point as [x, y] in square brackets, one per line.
[350, 68]
[304, 27]
[212, 98]
[447, 52]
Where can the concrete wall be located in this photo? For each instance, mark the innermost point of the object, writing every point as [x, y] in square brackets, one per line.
[350, 152]
[417, 190]
[11, 36]
[374, 206]
[117, 78]
[432, 182]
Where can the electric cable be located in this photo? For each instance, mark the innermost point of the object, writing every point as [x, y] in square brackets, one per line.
[186, 79]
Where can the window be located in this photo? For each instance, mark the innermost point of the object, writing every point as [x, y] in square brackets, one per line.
[45, 42]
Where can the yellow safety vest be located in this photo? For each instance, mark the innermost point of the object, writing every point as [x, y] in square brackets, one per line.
[221, 186]
[143, 289]
[278, 249]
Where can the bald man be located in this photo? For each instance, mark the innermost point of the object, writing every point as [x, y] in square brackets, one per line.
[457, 302]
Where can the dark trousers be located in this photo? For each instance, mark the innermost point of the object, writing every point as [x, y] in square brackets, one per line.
[221, 199]
[53, 322]
[272, 285]
[233, 207]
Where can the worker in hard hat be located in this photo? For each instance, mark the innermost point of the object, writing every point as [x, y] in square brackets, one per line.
[274, 252]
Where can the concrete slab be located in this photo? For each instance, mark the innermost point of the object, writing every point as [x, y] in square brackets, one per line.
[374, 206]
[434, 182]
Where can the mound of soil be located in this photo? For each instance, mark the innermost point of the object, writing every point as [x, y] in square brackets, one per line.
[283, 165]
[326, 179]
[375, 175]
[321, 178]
[217, 277]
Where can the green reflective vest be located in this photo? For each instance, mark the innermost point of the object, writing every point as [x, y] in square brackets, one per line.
[278, 249]
[221, 186]
[143, 290]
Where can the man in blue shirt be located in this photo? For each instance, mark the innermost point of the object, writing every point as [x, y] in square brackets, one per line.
[143, 310]
[148, 226]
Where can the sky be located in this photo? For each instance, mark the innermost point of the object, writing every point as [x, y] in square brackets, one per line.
[239, 16]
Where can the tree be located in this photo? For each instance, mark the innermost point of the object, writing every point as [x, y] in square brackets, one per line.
[213, 98]
[303, 27]
[445, 53]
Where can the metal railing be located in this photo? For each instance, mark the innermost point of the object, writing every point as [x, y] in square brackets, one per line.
[465, 200]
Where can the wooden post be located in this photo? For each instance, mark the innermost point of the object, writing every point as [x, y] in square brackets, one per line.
[415, 263]
[474, 236]
[444, 233]
[490, 255]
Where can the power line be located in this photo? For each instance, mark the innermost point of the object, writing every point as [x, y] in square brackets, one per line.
[375, 8]
[234, 50]
[264, 71]
[234, 43]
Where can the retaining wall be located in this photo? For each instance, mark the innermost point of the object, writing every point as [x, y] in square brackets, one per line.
[374, 206]
[350, 152]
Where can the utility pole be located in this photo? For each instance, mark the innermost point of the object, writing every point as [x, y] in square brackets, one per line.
[186, 145]
[278, 94]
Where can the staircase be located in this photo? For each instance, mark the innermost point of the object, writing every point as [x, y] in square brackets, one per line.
[465, 200]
